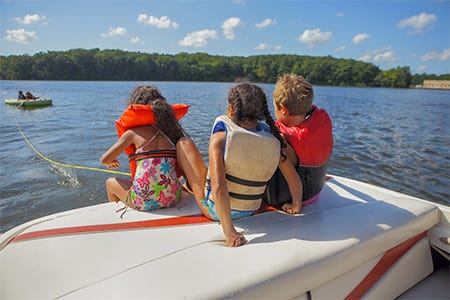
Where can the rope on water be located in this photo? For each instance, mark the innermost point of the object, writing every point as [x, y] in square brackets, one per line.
[63, 164]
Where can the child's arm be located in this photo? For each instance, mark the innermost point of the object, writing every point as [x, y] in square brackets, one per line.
[295, 186]
[108, 158]
[290, 153]
[220, 190]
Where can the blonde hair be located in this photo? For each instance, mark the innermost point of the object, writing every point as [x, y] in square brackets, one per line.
[295, 93]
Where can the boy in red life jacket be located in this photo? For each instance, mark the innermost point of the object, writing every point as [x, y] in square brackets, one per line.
[308, 131]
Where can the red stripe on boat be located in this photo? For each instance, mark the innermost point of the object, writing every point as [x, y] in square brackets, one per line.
[176, 221]
[386, 262]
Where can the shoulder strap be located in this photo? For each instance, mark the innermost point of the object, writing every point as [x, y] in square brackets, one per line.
[167, 138]
[158, 131]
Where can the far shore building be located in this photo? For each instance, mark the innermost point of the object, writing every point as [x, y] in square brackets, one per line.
[436, 84]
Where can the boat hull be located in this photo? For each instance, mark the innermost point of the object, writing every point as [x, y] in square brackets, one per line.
[351, 231]
[29, 103]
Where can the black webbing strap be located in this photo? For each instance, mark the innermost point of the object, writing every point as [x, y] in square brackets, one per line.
[244, 181]
[245, 196]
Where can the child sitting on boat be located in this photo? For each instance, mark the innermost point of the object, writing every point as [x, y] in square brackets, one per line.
[243, 155]
[308, 131]
[155, 183]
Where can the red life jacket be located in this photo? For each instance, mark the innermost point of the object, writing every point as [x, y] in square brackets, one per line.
[139, 115]
[312, 139]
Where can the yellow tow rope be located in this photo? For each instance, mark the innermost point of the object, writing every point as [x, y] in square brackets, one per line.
[63, 164]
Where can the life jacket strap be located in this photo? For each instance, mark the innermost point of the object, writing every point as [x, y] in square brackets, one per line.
[245, 196]
[244, 181]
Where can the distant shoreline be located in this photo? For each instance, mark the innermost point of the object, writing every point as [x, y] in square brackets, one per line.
[119, 65]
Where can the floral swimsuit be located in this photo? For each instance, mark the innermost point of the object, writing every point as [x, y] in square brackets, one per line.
[156, 183]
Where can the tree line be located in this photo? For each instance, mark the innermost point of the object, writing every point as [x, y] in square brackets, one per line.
[96, 64]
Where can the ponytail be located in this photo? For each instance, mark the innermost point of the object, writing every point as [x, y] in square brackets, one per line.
[166, 120]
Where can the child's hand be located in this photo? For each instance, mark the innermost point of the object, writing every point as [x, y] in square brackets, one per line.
[236, 240]
[115, 164]
[292, 208]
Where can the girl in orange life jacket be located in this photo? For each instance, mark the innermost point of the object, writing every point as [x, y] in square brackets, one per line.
[308, 131]
[243, 155]
[155, 183]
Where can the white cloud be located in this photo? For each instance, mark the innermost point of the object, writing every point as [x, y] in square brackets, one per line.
[385, 57]
[229, 26]
[422, 68]
[135, 40]
[365, 58]
[20, 36]
[32, 19]
[339, 49]
[384, 54]
[360, 37]
[266, 22]
[435, 55]
[118, 31]
[264, 46]
[418, 23]
[198, 39]
[315, 37]
[339, 14]
[162, 22]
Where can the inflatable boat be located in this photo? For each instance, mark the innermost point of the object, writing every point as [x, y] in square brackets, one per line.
[355, 241]
[29, 103]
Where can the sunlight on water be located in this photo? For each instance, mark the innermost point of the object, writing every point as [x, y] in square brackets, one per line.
[393, 138]
[68, 177]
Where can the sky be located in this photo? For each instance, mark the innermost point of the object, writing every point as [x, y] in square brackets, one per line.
[389, 34]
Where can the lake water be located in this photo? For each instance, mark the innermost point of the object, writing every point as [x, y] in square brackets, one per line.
[395, 138]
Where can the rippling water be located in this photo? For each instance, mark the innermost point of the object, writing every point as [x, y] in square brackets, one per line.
[394, 138]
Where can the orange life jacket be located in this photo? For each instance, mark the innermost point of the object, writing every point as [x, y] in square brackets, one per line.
[139, 115]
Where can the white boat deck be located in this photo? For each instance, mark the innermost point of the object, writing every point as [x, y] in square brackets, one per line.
[325, 251]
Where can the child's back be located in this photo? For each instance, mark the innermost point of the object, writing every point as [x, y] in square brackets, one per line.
[307, 129]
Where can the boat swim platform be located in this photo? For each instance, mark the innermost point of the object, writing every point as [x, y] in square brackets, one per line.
[355, 241]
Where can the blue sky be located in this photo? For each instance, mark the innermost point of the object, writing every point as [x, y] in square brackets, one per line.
[387, 33]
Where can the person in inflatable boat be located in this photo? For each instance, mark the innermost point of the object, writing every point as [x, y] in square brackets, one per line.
[243, 155]
[308, 131]
[149, 137]
[20, 95]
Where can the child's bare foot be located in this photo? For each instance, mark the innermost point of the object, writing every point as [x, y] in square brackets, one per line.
[187, 188]
[291, 208]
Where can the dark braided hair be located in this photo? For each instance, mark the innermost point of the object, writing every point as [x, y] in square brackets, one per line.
[144, 94]
[246, 105]
[273, 129]
[250, 104]
[163, 112]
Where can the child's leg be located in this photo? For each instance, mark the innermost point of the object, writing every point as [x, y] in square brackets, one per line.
[117, 189]
[193, 168]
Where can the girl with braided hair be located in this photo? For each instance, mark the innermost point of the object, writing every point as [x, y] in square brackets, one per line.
[243, 154]
[155, 183]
